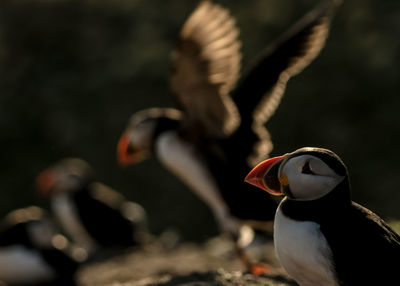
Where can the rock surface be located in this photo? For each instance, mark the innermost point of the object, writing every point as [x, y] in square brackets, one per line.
[212, 263]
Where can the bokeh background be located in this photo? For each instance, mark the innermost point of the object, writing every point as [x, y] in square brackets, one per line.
[73, 71]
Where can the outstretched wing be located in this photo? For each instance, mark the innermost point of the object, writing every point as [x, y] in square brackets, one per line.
[261, 89]
[262, 86]
[206, 66]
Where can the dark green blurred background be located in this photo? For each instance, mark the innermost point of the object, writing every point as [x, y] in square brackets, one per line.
[72, 72]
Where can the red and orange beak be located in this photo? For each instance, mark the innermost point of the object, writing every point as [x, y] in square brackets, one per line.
[265, 175]
[45, 181]
[126, 153]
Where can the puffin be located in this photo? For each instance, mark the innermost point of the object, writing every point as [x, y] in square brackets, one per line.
[95, 216]
[221, 112]
[321, 236]
[32, 252]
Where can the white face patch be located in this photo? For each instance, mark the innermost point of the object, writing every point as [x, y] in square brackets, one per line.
[65, 183]
[141, 134]
[309, 177]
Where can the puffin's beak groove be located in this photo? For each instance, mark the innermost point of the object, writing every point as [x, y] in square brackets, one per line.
[257, 175]
[45, 181]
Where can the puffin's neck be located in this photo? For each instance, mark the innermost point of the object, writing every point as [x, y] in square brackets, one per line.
[82, 190]
[163, 125]
[321, 209]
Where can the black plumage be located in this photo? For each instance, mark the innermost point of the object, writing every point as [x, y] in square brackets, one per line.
[365, 248]
[101, 213]
[105, 216]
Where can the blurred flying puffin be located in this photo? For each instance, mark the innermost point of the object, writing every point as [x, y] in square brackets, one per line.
[199, 142]
[32, 252]
[321, 236]
[94, 215]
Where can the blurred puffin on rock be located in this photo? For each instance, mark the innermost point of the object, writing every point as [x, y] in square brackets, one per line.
[32, 252]
[321, 236]
[218, 134]
[92, 214]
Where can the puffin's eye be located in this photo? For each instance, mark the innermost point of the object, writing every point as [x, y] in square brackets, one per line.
[307, 169]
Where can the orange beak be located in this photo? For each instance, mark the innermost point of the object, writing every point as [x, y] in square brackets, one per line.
[127, 154]
[45, 181]
[262, 171]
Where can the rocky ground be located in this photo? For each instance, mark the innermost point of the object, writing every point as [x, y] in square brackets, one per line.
[168, 263]
[210, 263]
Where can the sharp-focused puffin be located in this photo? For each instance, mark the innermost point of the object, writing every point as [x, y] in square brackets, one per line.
[94, 215]
[321, 236]
[199, 143]
[32, 252]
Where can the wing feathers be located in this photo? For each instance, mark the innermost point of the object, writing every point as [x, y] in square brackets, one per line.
[266, 80]
[207, 64]
[261, 89]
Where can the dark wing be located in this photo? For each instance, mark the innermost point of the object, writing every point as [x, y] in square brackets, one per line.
[206, 66]
[262, 86]
[368, 246]
[266, 80]
[101, 215]
[382, 229]
[130, 211]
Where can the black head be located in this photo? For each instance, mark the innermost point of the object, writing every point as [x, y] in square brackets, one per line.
[66, 176]
[137, 141]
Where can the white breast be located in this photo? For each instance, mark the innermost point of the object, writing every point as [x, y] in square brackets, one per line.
[181, 158]
[68, 217]
[19, 264]
[303, 251]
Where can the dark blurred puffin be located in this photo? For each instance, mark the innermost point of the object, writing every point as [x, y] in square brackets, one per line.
[321, 236]
[32, 252]
[94, 215]
[199, 143]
